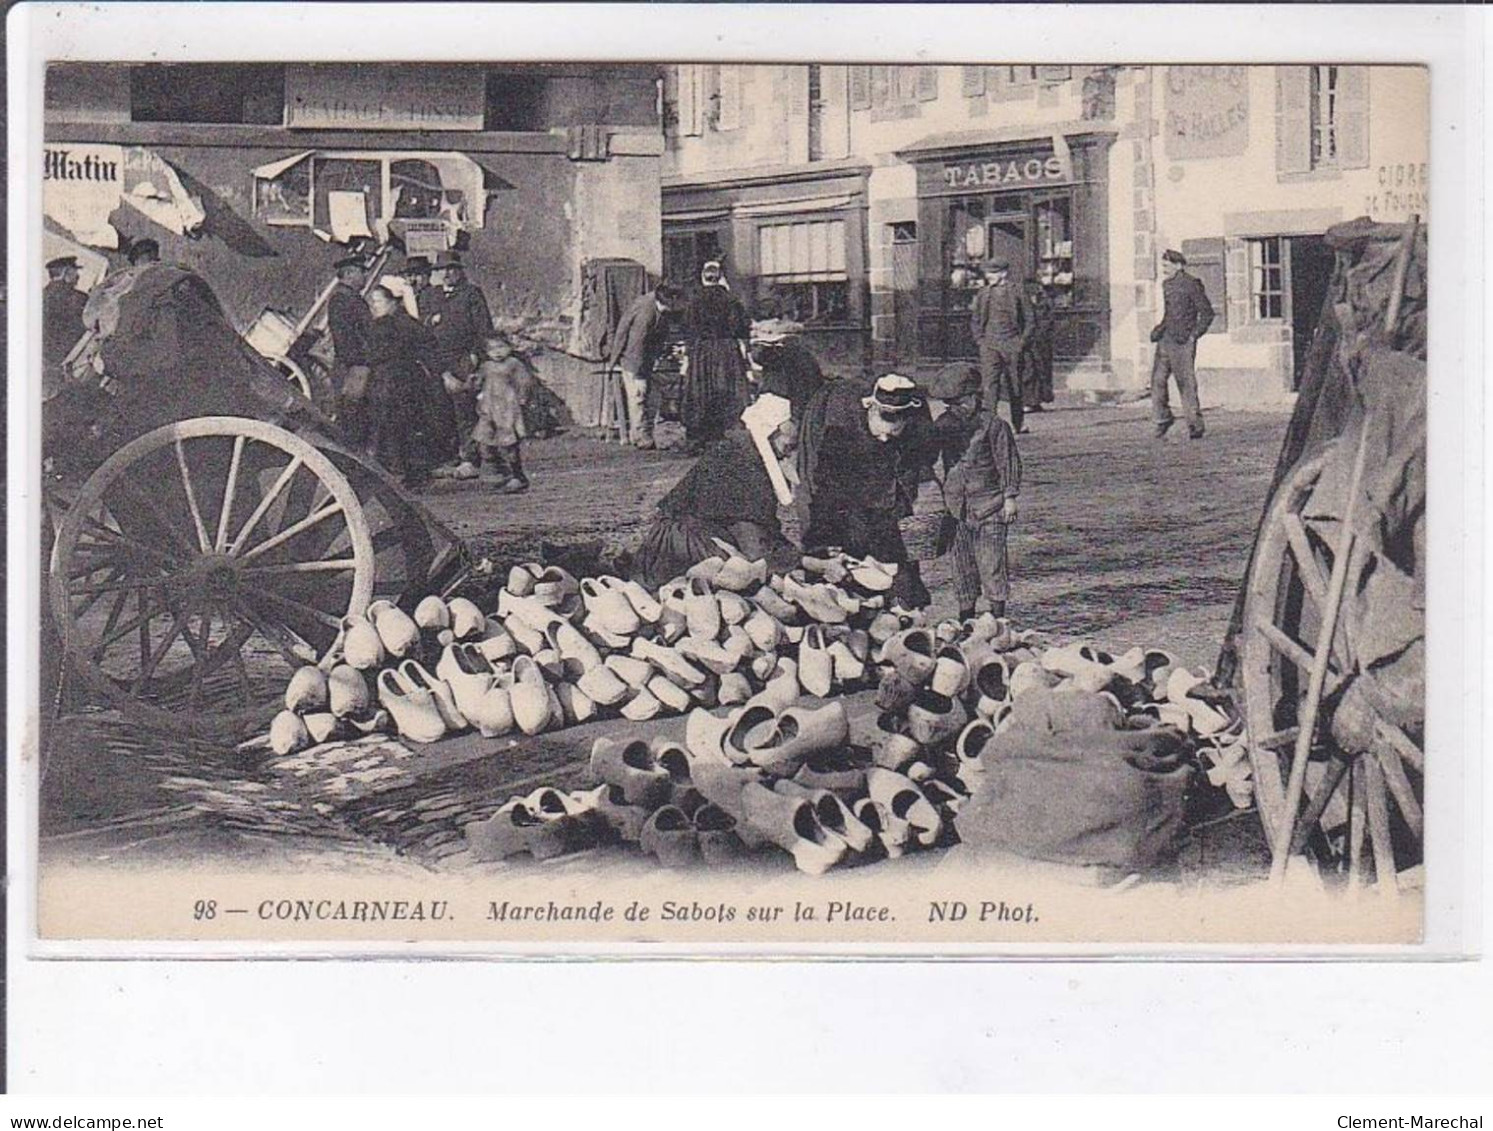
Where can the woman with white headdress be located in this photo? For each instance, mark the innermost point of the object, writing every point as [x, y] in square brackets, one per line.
[715, 381]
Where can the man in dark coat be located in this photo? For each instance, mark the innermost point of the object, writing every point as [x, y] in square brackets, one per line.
[638, 342]
[459, 318]
[350, 325]
[62, 320]
[1186, 315]
[1001, 321]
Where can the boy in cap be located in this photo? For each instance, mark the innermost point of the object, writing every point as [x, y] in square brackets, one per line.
[982, 480]
[460, 320]
[1186, 315]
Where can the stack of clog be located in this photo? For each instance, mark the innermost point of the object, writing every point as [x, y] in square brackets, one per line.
[558, 651]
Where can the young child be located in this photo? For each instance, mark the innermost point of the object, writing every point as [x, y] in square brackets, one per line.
[504, 383]
[982, 479]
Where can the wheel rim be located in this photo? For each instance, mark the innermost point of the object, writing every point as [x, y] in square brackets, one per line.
[200, 563]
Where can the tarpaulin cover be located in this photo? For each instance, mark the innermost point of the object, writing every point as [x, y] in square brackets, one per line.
[608, 288]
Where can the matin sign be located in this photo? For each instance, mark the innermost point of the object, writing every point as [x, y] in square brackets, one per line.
[1207, 112]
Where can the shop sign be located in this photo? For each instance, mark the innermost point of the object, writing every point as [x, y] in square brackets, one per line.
[1401, 190]
[371, 97]
[82, 186]
[1207, 112]
[1007, 173]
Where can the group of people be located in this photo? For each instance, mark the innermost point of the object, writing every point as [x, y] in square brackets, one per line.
[425, 383]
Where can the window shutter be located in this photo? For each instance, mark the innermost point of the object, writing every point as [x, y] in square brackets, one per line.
[1293, 120]
[1353, 118]
[689, 99]
[974, 82]
[1205, 259]
[860, 88]
[927, 84]
[881, 85]
[729, 115]
[1054, 74]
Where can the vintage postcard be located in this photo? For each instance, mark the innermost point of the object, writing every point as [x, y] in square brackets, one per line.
[933, 506]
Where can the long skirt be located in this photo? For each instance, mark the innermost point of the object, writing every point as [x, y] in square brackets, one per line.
[715, 391]
[672, 545]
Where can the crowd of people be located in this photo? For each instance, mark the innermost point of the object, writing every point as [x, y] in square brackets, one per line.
[427, 387]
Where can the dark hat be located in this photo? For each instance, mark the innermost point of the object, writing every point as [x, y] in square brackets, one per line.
[62, 263]
[1174, 257]
[893, 393]
[417, 265]
[351, 261]
[955, 381]
[448, 259]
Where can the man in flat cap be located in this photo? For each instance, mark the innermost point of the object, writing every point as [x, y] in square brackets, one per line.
[1186, 315]
[62, 319]
[1001, 320]
[459, 318]
[351, 325]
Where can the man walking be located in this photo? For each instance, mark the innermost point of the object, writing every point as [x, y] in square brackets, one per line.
[1001, 321]
[351, 325]
[1186, 315]
[637, 344]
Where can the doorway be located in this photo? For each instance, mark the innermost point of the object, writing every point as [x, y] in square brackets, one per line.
[1311, 274]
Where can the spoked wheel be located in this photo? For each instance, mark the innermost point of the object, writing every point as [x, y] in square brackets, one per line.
[1371, 791]
[200, 564]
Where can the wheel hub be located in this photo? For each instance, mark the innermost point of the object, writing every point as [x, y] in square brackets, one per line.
[214, 576]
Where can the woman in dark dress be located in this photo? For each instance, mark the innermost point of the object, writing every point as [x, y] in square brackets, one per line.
[403, 392]
[715, 388]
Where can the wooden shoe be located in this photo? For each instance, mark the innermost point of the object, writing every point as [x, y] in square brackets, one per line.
[377, 722]
[347, 691]
[894, 833]
[950, 671]
[1029, 675]
[790, 823]
[413, 709]
[396, 628]
[884, 626]
[702, 611]
[497, 642]
[707, 570]
[576, 706]
[632, 768]
[822, 603]
[670, 662]
[836, 770]
[874, 576]
[554, 587]
[599, 634]
[763, 666]
[609, 609]
[833, 814]
[521, 580]
[432, 615]
[468, 674]
[739, 644]
[734, 608]
[717, 835]
[970, 747]
[708, 654]
[674, 759]
[892, 747]
[912, 653]
[529, 696]
[935, 718]
[579, 653]
[673, 698]
[440, 691]
[506, 833]
[849, 668]
[894, 692]
[1070, 659]
[764, 631]
[816, 668]
[467, 621]
[794, 634]
[721, 784]
[644, 705]
[726, 739]
[832, 569]
[782, 690]
[528, 638]
[288, 733]
[901, 797]
[513, 611]
[307, 690]
[323, 726]
[362, 647]
[610, 804]
[557, 712]
[1206, 719]
[643, 603]
[992, 686]
[734, 689]
[797, 733]
[741, 576]
[670, 836]
[550, 664]
[772, 603]
[604, 686]
[632, 671]
[492, 713]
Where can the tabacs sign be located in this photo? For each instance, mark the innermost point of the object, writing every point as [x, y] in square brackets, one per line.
[1014, 172]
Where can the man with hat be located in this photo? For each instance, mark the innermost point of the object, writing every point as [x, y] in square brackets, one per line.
[851, 471]
[351, 326]
[1001, 320]
[459, 318]
[981, 482]
[62, 319]
[1186, 315]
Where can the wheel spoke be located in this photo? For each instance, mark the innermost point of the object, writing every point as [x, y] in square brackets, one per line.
[163, 524]
[140, 622]
[245, 693]
[290, 532]
[1400, 788]
[1318, 803]
[1279, 740]
[1378, 812]
[113, 618]
[203, 542]
[265, 503]
[277, 635]
[114, 586]
[158, 653]
[221, 541]
[319, 615]
[119, 538]
[338, 565]
[1356, 827]
[1403, 745]
[1307, 566]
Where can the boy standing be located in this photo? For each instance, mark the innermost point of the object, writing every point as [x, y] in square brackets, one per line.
[982, 479]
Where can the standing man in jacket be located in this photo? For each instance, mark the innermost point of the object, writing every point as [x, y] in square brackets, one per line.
[459, 318]
[351, 326]
[637, 344]
[61, 320]
[1186, 315]
[1001, 321]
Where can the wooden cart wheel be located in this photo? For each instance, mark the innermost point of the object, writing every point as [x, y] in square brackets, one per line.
[200, 564]
[294, 374]
[1346, 793]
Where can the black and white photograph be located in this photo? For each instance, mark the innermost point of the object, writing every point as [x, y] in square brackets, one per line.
[921, 504]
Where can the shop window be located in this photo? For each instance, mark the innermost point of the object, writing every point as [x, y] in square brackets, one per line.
[1321, 117]
[803, 267]
[686, 252]
[1055, 248]
[905, 231]
[1266, 280]
[209, 93]
[513, 102]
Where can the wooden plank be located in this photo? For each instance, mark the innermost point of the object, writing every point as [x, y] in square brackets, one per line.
[1385, 875]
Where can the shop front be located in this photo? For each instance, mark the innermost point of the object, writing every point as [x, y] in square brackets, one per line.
[1041, 204]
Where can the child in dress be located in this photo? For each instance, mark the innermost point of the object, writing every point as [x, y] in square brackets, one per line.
[504, 383]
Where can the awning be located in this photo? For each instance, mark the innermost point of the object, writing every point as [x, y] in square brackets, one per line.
[802, 204]
[699, 216]
[275, 168]
[935, 145]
